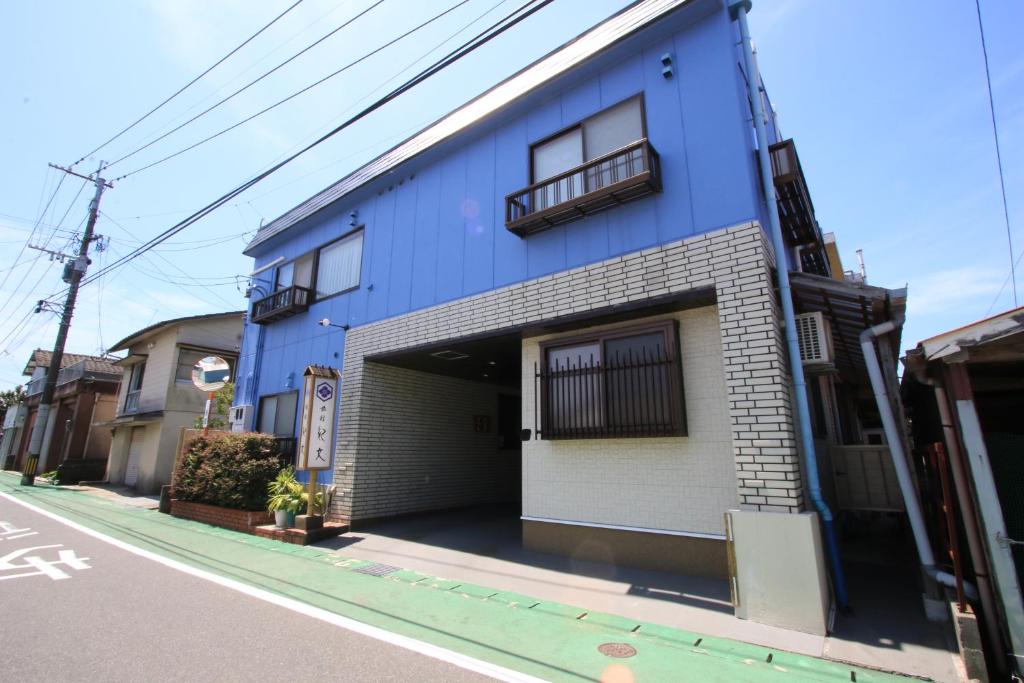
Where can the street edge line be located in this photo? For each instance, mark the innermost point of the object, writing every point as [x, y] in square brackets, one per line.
[418, 646]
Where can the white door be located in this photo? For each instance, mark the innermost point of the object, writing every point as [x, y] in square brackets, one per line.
[131, 473]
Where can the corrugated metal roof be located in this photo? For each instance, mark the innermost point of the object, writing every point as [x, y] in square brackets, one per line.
[604, 35]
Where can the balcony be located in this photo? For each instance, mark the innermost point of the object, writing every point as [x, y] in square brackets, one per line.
[35, 386]
[626, 174]
[796, 211]
[281, 304]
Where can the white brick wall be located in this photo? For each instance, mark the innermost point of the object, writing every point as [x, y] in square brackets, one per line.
[672, 483]
[734, 264]
[427, 455]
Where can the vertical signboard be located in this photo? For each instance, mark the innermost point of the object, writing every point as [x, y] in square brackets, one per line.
[319, 400]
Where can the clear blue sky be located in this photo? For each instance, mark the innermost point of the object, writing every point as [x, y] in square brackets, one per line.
[886, 101]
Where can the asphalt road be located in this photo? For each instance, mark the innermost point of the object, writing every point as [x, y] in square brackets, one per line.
[109, 615]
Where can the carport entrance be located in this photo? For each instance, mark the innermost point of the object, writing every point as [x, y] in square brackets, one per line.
[445, 434]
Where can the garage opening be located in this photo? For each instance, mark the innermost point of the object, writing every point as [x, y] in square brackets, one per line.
[445, 433]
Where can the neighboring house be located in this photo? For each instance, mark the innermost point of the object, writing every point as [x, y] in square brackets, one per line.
[86, 387]
[14, 424]
[561, 297]
[965, 391]
[157, 397]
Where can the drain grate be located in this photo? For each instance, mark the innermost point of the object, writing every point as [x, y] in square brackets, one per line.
[378, 569]
[618, 650]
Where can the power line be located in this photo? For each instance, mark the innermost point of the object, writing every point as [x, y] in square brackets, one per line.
[187, 85]
[31, 234]
[244, 87]
[999, 156]
[298, 92]
[366, 97]
[512, 19]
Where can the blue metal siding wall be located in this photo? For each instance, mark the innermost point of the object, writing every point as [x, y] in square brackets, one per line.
[437, 232]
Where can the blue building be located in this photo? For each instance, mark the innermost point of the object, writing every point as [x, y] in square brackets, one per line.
[562, 297]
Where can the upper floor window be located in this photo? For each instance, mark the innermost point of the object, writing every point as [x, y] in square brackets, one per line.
[605, 132]
[338, 265]
[617, 383]
[601, 162]
[332, 269]
[298, 272]
[131, 399]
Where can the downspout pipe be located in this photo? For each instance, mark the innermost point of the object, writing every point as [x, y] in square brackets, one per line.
[739, 11]
[899, 457]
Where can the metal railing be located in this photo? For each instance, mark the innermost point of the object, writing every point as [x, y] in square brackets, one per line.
[281, 304]
[131, 401]
[628, 396]
[35, 386]
[71, 373]
[627, 173]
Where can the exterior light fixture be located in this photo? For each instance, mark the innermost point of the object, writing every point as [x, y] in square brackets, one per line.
[326, 322]
[666, 65]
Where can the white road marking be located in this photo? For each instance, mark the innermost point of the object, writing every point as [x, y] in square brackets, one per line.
[418, 646]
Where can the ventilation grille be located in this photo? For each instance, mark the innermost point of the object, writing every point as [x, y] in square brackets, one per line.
[813, 336]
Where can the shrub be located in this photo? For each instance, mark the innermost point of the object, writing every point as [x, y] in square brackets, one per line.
[228, 469]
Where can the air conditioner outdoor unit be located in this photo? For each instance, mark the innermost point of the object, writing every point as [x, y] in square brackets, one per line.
[240, 418]
[815, 338]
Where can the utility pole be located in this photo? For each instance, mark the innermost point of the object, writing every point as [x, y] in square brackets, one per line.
[77, 272]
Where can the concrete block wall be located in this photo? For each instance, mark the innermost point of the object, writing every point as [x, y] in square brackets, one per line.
[426, 453]
[735, 262]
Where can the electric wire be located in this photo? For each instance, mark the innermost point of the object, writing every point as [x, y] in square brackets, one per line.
[367, 96]
[999, 156]
[31, 234]
[295, 94]
[195, 282]
[246, 86]
[189, 84]
[512, 19]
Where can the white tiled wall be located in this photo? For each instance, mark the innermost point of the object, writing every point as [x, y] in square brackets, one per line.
[667, 483]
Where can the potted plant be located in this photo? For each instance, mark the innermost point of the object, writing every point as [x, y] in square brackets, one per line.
[285, 498]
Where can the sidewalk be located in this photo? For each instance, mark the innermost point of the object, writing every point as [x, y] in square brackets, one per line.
[546, 639]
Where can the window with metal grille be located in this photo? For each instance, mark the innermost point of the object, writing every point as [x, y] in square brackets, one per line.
[621, 383]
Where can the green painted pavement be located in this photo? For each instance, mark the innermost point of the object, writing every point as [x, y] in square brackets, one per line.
[544, 639]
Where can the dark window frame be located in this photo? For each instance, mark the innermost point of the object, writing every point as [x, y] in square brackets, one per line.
[580, 125]
[131, 381]
[676, 397]
[315, 253]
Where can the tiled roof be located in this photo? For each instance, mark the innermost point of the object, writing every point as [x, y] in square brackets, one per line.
[41, 358]
[609, 32]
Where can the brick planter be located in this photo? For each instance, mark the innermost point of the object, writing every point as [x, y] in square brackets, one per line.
[237, 520]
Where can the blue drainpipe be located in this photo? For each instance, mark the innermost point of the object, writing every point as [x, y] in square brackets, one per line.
[739, 11]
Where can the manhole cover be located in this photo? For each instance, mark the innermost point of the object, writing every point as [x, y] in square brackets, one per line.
[619, 650]
[378, 569]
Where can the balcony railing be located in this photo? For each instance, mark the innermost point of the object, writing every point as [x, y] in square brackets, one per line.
[627, 173]
[131, 401]
[35, 386]
[69, 374]
[281, 304]
[796, 211]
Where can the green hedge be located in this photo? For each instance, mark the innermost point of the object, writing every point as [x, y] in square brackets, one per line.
[228, 469]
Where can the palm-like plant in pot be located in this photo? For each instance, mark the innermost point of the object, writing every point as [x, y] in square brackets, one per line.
[285, 498]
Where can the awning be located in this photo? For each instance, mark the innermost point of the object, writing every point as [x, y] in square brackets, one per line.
[851, 308]
[133, 419]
